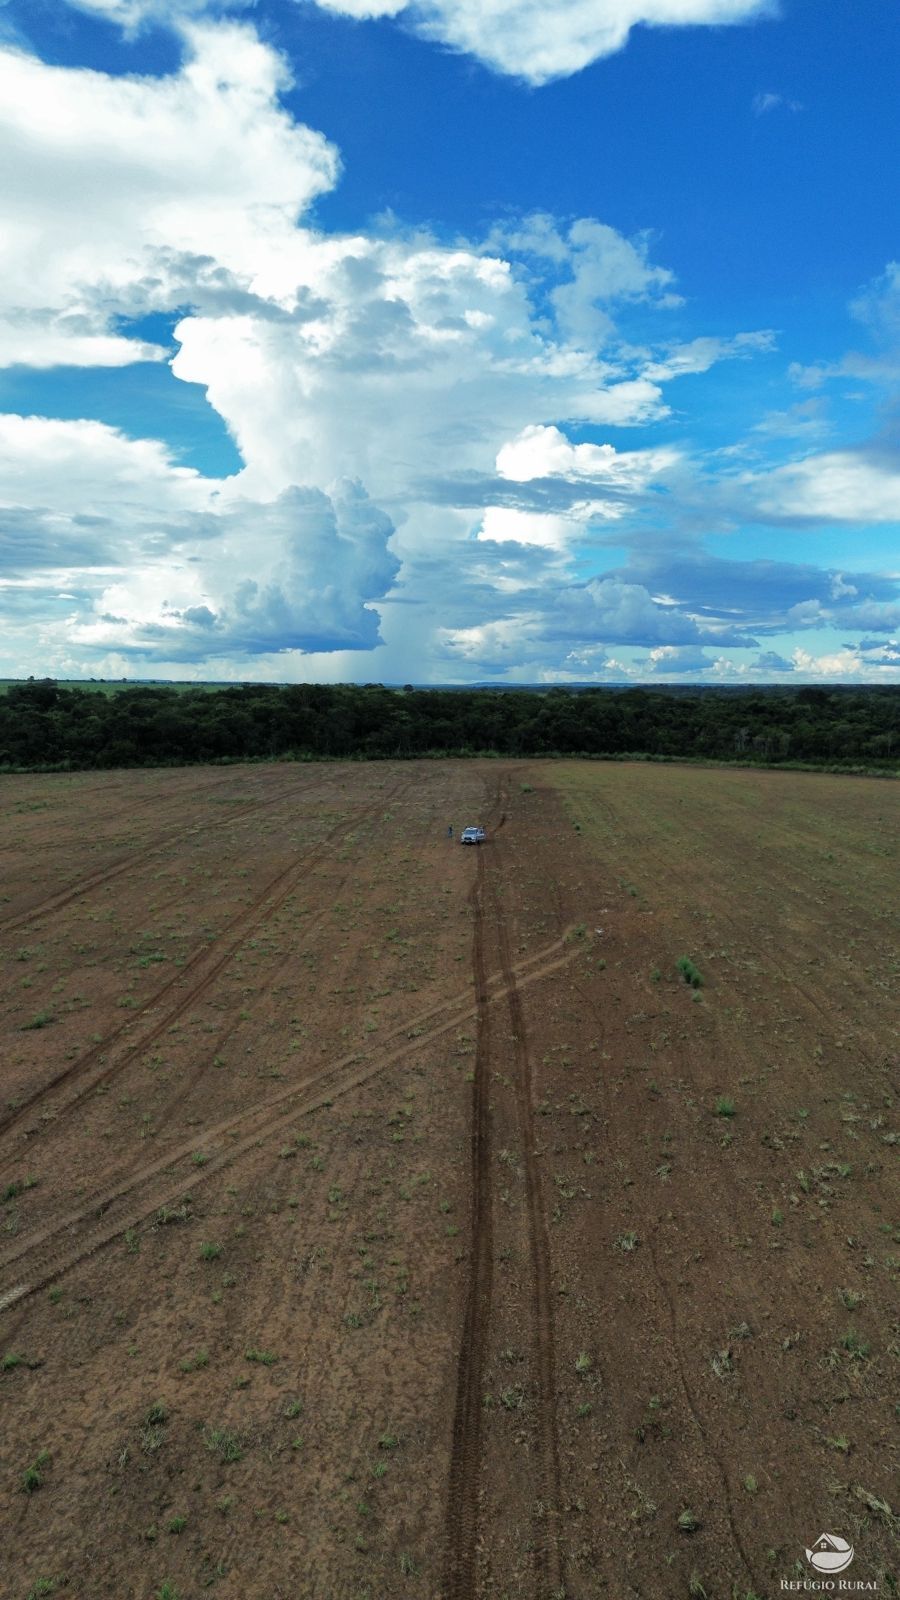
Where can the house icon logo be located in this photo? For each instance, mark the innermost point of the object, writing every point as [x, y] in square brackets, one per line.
[830, 1553]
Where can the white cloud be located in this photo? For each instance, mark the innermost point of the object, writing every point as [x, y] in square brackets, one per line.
[301, 573]
[544, 452]
[837, 486]
[701, 354]
[565, 626]
[503, 525]
[606, 269]
[769, 101]
[671, 660]
[877, 305]
[806, 419]
[162, 566]
[362, 9]
[413, 352]
[832, 664]
[370, 355]
[608, 479]
[525, 38]
[46, 340]
[130, 14]
[86, 468]
[379, 357]
[620, 613]
[877, 309]
[537, 42]
[108, 183]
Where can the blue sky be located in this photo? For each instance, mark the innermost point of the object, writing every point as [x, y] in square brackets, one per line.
[457, 340]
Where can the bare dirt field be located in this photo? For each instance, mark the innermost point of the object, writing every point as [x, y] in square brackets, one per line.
[388, 1219]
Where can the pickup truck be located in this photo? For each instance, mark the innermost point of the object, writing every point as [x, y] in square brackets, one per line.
[471, 836]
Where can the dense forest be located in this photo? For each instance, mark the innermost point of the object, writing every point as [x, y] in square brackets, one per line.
[46, 725]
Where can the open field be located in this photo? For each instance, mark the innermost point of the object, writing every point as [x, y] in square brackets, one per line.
[386, 1219]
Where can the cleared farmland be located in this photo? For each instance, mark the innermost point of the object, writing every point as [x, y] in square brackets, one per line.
[383, 1218]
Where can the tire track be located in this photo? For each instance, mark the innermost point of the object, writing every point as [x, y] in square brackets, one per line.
[691, 1404]
[328, 1083]
[104, 875]
[191, 1081]
[463, 1492]
[265, 903]
[548, 1552]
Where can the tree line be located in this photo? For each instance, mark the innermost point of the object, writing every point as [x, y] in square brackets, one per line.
[47, 725]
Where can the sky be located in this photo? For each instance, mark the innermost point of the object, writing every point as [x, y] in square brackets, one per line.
[450, 341]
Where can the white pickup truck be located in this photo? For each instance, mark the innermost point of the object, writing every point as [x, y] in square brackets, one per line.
[471, 836]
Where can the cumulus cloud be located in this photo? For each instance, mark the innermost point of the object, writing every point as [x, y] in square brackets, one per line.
[376, 357]
[844, 663]
[626, 613]
[352, 372]
[556, 624]
[545, 452]
[547, 490]
[672, 660]
[162, 564]
[530, 40]
[302, 573]
[107, 182]
[404, 350]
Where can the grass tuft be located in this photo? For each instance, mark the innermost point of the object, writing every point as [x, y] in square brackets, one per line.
[33, 1476]
[689, 972]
